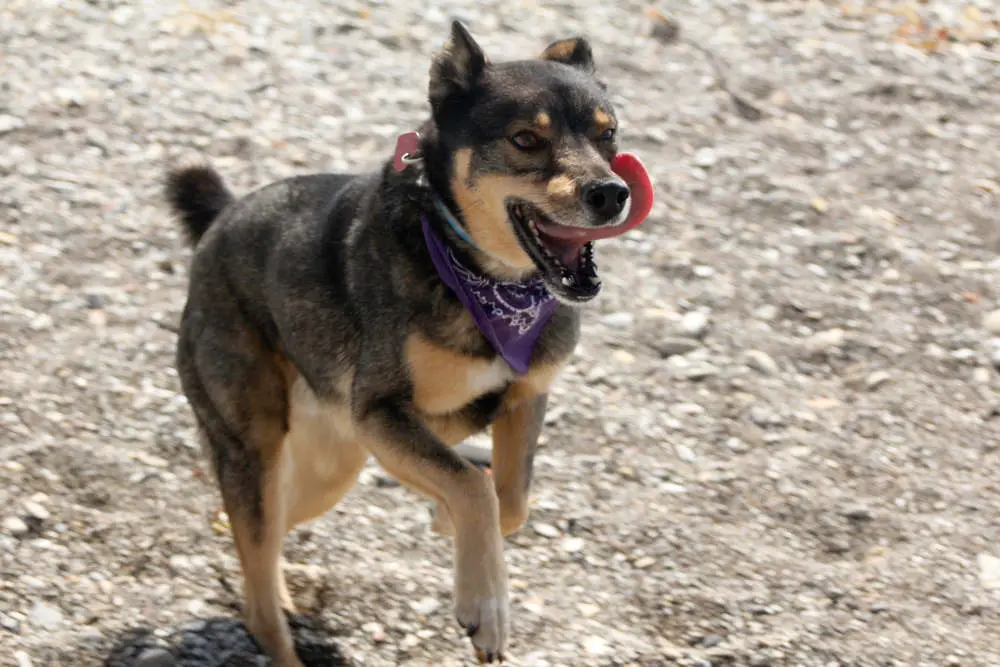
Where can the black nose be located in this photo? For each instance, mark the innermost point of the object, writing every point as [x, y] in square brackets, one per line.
[606, 198]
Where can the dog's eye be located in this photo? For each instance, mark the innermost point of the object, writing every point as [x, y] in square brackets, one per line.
[608, 134]
[527, 141]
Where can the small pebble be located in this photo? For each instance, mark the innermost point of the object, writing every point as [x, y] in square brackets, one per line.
[675, 346]
[573, 545]
[10, 123]
[820, 205]
[665, 29]
[595, 645]
[618, 320]
[762, 362]
[702, 271]
[824, 341]
[695, 372]
[546, 530]
[859, 514]
[36, 511]
[644, 563]
[45, 616]
[989, 571]
[992, 322]
[705, 157]
[695, 323]
[22, 659]
[9, 623]
[685, 453]
[876, 380]
[767, 313]
[376, 631]
[426, 606]
[15, 526]
[155, 657]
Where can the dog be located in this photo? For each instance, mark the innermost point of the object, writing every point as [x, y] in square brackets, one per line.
[334, 317]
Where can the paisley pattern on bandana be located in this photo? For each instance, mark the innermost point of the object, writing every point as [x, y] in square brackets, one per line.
[510, 314]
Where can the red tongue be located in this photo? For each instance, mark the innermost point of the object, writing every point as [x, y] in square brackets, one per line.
[630, 168]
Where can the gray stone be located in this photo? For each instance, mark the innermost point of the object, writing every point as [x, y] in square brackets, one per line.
[671, 346]
[762, 362]
[155, 657]
[698, 371]
[10, 623]
[824, 341]
[45, 616]
[875, 380]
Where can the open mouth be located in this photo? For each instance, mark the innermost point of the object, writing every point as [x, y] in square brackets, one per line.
[567, 264]
[564, 254]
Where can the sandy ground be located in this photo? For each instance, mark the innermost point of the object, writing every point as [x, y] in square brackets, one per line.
[778, 445]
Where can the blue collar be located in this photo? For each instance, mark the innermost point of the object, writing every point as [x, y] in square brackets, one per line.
[456, 227]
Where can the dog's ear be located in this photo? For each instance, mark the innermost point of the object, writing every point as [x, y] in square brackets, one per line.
[458, 66]
[575, 52]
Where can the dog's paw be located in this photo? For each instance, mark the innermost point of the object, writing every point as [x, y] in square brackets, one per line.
[486, 622]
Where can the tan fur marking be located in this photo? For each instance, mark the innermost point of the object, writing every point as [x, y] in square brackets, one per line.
[543, 120]
[562, 187]
[481, 202]
[445, 381]
[510, 444]
[322, 452]
[537, 381]
[560, 50]
[602, 119]
[264, 582]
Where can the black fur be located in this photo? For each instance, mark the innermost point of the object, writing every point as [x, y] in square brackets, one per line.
[198, 195]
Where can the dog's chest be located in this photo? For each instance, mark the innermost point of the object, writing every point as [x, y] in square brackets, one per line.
[445, 381]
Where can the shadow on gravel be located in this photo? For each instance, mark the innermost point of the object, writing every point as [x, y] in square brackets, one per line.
[220, 642]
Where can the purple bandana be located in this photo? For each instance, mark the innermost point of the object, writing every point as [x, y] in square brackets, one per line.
[512, 315]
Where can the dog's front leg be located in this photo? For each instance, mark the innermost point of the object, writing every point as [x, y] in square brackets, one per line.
[409, 451]
[515, 437]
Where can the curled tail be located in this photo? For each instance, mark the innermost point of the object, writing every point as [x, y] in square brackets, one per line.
[197, 194]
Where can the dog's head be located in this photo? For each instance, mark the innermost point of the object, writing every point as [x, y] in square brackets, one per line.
[528, 146]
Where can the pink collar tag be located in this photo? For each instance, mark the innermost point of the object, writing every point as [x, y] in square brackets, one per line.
[407, 150]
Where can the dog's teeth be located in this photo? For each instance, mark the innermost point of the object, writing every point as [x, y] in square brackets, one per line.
[568, 280]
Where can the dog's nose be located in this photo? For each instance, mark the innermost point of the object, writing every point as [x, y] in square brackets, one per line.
[607, 198]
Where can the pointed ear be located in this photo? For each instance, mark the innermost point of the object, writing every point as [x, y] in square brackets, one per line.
[574, 52]
[457, 67]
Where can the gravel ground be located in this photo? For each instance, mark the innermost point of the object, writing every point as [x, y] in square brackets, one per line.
[777, 446]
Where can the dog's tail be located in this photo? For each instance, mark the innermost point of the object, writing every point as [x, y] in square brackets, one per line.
[197, 194]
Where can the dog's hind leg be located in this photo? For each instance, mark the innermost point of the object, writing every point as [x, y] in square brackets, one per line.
[238, 391]
[258, 536]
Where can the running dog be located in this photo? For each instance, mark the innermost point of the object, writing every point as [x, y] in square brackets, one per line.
[335, 317]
